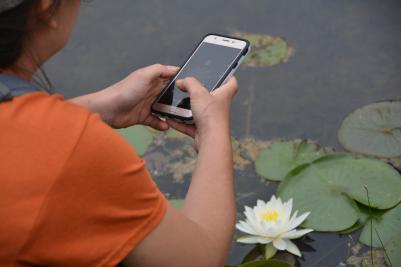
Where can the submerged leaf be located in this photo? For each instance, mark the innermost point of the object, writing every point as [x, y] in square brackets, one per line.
[266, 50]
[374, 130]
[138, 136]
[276, 161]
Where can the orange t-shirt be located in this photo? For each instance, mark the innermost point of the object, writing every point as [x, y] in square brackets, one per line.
[72, 191]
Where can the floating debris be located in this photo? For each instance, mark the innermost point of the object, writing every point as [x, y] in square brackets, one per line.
[365, 259]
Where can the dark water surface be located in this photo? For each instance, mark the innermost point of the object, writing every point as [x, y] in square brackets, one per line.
[347, 54]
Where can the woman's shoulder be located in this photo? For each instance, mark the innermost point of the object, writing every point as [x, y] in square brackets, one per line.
[50, 119]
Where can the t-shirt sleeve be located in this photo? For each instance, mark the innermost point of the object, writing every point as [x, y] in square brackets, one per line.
[103, 203]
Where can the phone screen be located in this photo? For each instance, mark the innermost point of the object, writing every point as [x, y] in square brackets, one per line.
[208, 65]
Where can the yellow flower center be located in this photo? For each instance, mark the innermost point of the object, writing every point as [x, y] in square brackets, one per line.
[270, 216]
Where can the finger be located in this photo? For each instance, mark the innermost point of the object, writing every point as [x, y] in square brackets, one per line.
[160, 71]
[189, 130]
[157, 124]
[192, 86]
[229, 89]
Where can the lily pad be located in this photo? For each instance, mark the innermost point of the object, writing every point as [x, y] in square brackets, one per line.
[329, 186]
[393, 249]
[266, 50]
[177, 203]
[364, 215]
[374, 130]
[139, 137]
[386, 226]
[330, 209]
[276, 161]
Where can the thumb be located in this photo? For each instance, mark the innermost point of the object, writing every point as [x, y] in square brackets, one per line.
[229, 89]
[192, 86]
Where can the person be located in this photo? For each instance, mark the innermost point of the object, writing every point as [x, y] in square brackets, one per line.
[75, 193]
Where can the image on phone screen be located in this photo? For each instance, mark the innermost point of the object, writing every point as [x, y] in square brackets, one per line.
[208, 64]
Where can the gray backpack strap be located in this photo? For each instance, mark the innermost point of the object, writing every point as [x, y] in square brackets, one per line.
[11, 86]
[5, 93]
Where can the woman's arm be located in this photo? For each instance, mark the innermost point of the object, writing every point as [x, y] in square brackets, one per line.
[201, 233]
[99, 102]
[129, 101]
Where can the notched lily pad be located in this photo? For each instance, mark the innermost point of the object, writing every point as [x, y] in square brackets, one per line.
[386, 226]
[138, 136]
[329, 186]
[365, 213]
[266, 50]
[274, 162]
[374, 130]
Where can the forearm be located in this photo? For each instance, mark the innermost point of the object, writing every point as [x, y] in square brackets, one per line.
[98, 102]
[210, 201]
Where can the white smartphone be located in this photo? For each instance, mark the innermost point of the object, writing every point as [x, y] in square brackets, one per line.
[213, 61]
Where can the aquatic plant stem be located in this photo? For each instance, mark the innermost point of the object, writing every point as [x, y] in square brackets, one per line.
[371, 225]
[385, 251]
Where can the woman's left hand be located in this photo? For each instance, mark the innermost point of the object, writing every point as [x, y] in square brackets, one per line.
[129, 101]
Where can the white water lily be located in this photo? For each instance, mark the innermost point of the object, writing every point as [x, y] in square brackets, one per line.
[271, 223]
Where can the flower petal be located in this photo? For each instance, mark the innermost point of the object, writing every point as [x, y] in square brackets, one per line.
[252, 220]
[294, 234]
[248, 239]
[292, 248]
[287, 210]
[246, 228]
[260, 203]
[295, 222]
[280, 244]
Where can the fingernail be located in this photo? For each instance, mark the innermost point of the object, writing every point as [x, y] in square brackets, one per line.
[172, 67]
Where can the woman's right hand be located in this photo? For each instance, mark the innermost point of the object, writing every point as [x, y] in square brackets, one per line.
[211, 111]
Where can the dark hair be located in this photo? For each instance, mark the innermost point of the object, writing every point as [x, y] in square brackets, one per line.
[14, 29]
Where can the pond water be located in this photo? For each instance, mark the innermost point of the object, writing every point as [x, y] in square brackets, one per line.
[347, 53]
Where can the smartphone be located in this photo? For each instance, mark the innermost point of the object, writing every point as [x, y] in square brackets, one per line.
[214, 60]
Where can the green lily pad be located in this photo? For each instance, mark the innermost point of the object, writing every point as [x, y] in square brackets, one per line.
[364, 216]
[374, 130]
[329, 186]
[393, 249]
[330, 209]
[266, 50]
[177, 203]
[276, 161]
[386, 226]
[138, 136]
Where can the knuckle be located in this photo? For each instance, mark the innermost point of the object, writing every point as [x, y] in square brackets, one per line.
[158, 66]
[190, 79]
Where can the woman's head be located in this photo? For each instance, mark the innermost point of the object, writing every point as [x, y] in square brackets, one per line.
[35, 30]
